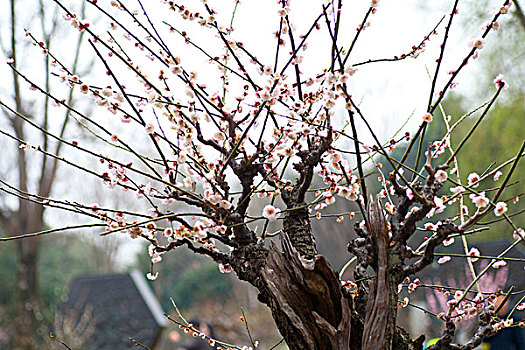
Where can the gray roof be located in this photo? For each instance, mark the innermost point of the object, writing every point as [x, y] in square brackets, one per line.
[122, 306]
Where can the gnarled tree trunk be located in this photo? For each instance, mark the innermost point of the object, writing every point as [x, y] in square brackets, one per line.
[306, 299]
[310, 307]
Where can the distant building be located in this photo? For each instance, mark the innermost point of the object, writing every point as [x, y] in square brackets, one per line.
[121, 306]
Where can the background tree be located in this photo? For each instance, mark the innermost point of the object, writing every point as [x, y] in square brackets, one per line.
[34, 173]
[62, 258]
[259, 130]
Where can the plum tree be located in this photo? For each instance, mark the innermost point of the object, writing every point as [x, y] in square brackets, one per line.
[234, 143]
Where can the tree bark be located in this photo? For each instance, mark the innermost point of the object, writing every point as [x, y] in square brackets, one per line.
[381, 308]
[306, 299]
[307, 302]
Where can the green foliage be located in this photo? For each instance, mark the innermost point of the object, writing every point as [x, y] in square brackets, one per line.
[61, 258]
[188, 278]
[8, 270]
[497, 139]
[201, 285]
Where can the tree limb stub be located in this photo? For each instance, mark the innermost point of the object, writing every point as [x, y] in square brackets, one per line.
[380, 313]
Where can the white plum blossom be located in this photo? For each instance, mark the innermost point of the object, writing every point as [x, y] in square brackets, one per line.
[225, 268]
[150, 128]
[270, 212]
[480, 201]
[474, 254]
[225, 204]
[441, 176]
[430, 226]
[167, 232]
[405, 302]
[477, 43]
[156, 258]
[389, 208]
[330, 200]
[444, 259]
[440, 206]
[456, 190]
[187, 182]
[472, 179]
[498, 264]
[500, 209]
[152, 277]
[500, 82]
[519, 234]
[448, 242]
[343, 191]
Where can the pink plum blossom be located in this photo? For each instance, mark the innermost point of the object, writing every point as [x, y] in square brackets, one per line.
[499, 82]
